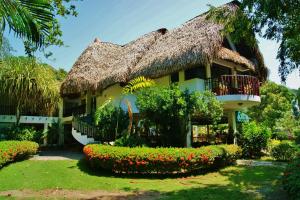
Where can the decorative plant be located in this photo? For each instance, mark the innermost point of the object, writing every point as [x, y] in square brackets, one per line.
[169, 109]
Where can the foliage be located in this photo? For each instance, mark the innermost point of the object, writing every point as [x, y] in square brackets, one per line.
[254, 139]
[169, 110]
[111, 119]
[291, 179]
[271, 144]
[28, 19]
[131, 140]
[60, 9]
[275, 104]
[5, 49]
[277, 20]
[236, 24]
[28, 85]
[297, 134]
[283, 151]
[286, 127]
[11, 151]
[159, 160]
[22, 133]
[271, 19]
[138, 83]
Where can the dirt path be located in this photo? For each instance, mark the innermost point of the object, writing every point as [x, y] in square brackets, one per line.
[58, 155]
[260, 163]
[77, 194]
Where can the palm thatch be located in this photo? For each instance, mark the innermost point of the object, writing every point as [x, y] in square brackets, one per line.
[197, 42]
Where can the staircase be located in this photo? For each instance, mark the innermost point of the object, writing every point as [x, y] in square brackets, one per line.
[83, 131]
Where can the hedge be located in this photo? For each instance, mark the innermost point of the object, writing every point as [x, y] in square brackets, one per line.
[159, 160]
[11, 151]
[291, 179]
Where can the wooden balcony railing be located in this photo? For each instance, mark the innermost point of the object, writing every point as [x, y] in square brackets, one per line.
[233, 85]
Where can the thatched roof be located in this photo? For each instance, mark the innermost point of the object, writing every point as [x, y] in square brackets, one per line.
[153, 55]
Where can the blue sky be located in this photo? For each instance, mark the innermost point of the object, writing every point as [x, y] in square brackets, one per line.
[120, 21]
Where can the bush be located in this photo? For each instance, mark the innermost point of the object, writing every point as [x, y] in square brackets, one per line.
[131, 140]
[22, 133]
[254, 139]
[297, 135]
[291, 179]
[11, 151]
[159, 160]
[168, 110]
[283, 151]
[271, 144]
[111, 119]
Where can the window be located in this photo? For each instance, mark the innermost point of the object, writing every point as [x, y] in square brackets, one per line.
[196, 72]
[175, 77]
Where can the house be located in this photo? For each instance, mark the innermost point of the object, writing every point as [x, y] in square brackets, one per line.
[196, 56]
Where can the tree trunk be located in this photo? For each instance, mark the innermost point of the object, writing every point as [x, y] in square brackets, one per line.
[18, 114]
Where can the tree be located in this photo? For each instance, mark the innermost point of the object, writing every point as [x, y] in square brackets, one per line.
[111, 119]
[60, 8]
[28, 19]
[275, 103]
[169, 109]
[272, 19]
[278, 20]
[28, 85]
[5, 49]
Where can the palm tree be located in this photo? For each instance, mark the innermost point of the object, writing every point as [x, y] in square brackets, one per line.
[28, 19]
[28, 85]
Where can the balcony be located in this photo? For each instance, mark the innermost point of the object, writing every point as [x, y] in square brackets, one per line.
[236, 92]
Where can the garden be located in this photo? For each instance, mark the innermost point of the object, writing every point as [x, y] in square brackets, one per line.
[150, 155]
[132, 167]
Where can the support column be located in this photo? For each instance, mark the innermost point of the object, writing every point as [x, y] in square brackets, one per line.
[189, 134]
[60, 122]
[208, 71]
[181, 76]
[232, 125]
[45, 133]
[88, 102]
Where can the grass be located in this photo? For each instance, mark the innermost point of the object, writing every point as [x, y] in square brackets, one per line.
[235, 182]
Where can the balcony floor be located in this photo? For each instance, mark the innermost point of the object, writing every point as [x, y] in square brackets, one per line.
[238, 101]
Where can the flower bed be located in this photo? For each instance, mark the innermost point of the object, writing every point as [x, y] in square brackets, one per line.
[11, 151]
[159, 160]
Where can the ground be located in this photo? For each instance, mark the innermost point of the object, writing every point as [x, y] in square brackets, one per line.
[72, 179]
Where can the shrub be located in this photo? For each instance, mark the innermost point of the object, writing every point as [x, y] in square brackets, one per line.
[283, 151]
[22, 133]
[11, 151]
[271, 144]
[297, 135]
[131, 140]
[291, 179]
[111, 119]
[159, 160]
[254, 138]
[168, 110]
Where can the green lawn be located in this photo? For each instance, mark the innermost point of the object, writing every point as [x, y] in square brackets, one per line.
[234, 182]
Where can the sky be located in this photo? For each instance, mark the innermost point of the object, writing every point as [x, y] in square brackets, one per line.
[121, 21]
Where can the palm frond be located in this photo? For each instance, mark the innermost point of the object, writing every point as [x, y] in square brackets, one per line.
[138, 83]
[28, 19]
[100, 108]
